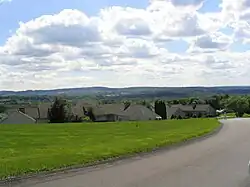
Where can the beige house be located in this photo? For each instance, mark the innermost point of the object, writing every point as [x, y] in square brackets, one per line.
[118, 112]
[190, 110]
[17, 117]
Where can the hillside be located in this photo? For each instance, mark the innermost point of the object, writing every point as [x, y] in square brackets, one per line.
[134, 92]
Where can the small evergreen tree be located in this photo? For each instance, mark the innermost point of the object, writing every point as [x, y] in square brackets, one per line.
[57, 113]
[160, 109]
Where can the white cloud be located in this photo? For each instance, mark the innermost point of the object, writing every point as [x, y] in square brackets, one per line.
[181, 3]
[4, 1]
[210, 43]
[124, 46]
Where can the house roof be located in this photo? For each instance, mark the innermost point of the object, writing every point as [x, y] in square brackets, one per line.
[134, 111]
[189, 108]
[35, 111]
[32, 112]
[109, 109]
[172, 111]
[12, 112]
[77, 108]
[43, 110]
[140, 111]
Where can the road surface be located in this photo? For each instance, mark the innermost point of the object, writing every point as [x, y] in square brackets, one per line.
[219, 161]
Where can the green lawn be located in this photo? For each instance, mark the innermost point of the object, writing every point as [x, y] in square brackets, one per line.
[232, 115]
[33, 148]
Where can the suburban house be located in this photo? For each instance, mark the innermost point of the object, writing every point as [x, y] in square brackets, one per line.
[39, 112]
[120, 112]
[17, 117]
[190, 110]
[79, 108]
[28, 114]
[24, 113]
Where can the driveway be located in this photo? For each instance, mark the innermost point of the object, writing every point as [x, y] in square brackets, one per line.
[220, 161]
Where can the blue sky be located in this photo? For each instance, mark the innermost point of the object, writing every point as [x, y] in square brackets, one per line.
[146, 42]
[24, 10]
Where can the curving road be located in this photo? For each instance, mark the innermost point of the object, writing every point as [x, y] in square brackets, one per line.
[220, 161]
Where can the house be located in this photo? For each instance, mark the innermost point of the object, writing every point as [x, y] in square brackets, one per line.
[79, 108]
[37, 112]
[175, 111]
[190, 110]
[120, 112]
[109, 112]
[17, 117]
[140, 113]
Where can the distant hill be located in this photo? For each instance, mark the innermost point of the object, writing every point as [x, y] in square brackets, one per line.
[134, 92]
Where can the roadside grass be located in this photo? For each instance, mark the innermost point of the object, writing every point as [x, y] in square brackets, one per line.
[232, 115]
[28, 149]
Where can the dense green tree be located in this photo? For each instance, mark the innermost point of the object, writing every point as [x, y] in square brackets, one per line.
[184, 101]
[239, 105]
[214, 101]
[175, 102]
[145, 103]
[2, 108]
[58, 112]
[160, 109]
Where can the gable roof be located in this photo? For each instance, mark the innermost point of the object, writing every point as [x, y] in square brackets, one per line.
[172, 111]
[136, 112]
[189, 108]
[77, 108]
[43, 110]
[13, 112]
[109, 109]
[32, 112]
[35, 111]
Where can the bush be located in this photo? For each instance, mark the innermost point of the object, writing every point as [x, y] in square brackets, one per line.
[76, 119]
[199, 115]
[179, 117]
[173, 117]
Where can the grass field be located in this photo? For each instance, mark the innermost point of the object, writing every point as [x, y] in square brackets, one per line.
[232, 115]
[33, 148]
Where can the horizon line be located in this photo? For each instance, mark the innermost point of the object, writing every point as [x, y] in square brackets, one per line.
[65, 88]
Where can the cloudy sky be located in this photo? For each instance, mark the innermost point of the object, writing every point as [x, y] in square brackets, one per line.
[118, 43]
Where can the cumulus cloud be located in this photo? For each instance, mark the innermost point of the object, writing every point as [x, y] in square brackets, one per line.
[210, 43]
[182, 3]
[4, 1]
[125, 46]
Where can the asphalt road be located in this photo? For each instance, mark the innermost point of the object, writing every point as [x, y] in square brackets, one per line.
[220, 161]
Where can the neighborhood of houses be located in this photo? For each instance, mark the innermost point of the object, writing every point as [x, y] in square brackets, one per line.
[105, 113]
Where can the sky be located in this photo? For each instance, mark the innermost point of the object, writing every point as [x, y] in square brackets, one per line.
[49, 44]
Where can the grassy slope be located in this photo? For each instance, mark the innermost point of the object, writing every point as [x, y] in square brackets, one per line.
[29, 148]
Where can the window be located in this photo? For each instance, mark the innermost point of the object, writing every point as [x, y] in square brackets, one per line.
[22, 110]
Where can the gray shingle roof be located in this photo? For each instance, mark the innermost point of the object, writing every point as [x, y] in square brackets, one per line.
[108, 109]
[140, 112]
[77, 108]
[43, 110]
[134, 112]
[189, 108]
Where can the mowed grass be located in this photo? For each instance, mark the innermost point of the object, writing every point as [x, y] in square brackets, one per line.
[232, 115]
[34, 148]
